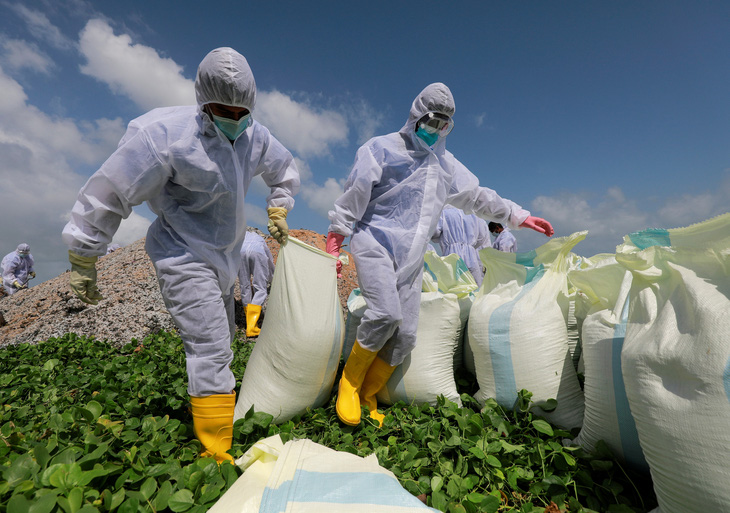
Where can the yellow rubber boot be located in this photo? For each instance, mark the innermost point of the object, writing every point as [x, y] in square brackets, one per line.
[348, 398]
[253, 312]
[375, 379]
[213, 424]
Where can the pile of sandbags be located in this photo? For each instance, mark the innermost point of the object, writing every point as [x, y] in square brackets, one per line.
[648, 328]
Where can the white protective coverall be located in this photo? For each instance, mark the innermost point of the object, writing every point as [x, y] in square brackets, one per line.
[464, 235]
[506, 242]
[257, 269]
[391, 206]
[195, 180]
[16, 268]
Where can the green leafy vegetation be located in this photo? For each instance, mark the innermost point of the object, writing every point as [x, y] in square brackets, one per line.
[86, 427]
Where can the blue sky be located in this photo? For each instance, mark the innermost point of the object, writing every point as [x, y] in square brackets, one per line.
[606, 116]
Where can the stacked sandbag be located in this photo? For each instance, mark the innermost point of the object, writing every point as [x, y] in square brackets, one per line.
[451, 276]
[575, 316]
[428, 371]
[602, 292]
[517, 330]
[294, 362]
[676, 361]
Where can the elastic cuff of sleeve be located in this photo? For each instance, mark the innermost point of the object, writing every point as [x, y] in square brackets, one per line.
[277, 210]
[82, 261]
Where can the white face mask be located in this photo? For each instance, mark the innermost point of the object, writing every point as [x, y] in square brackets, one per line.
[230, 127]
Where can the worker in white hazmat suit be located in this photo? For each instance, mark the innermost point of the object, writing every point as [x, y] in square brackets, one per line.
[464, 235]
[391, 205]
[193, 166]
[257, 269]
[17, 269]
[504, 238]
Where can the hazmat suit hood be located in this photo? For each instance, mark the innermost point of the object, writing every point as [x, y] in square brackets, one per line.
[435, 97]
[23, 248]
[225, 77]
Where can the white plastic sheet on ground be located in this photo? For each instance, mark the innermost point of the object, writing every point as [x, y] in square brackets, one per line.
[304, 477]
[603, 294]
[517, 330]
[294, 362]
[676, 361]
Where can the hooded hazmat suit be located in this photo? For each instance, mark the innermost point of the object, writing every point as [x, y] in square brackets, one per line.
[391, 205]
[195, 180]
[505, 241]
[464, 235]
[257, 269]
[17, 267]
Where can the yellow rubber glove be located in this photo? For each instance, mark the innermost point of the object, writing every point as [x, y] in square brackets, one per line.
[18, 285]
[83, 278]
[277, 223]
[32, 274]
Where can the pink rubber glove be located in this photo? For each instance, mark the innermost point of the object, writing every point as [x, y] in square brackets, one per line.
[539, 225]
[333, 247]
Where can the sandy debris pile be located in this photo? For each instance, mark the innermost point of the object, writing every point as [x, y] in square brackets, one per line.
[132, 308]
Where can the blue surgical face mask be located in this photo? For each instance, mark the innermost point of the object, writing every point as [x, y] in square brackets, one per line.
[230, 127]
[428, 138]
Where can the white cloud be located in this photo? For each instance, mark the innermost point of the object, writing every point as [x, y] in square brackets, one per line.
[366, 119]
[610, 217]
[322, 198]
[23, 55]
[305, 172]
[149, 80]
[255, 215]
[13, 95]
[308, 131]
[689, 209]
[134, 70]
[41, 27]
[131, 229]
[30, 128]
[607, 218]
[38, 157]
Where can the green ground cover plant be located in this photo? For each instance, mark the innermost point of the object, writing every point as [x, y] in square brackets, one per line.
[86, 427]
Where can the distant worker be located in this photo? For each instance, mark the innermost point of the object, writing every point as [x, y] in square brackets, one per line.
[257, 269]
[391, 205]
[17, 269]
[505, 241]
[464, 235]
[192, 164]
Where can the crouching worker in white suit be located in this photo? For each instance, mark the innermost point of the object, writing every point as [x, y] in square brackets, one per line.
[257, 270]
[192, 165]
[391, 205]
[17, 269]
